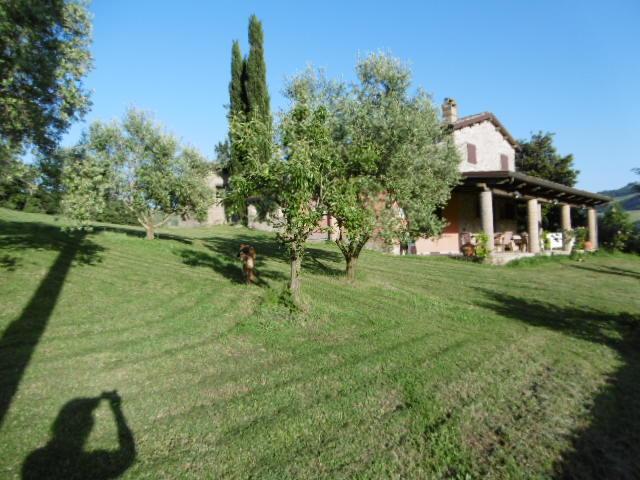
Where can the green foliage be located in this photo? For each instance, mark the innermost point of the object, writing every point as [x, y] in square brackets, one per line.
[539, 157]
[17, 182]
[616, 230]
[397, 164]
[237, 91]
[39, 187]
[86, 180]
[33, 187]
[581, 234]
[116, 211]
[44, 57]
[546, 240]
[417, 160]
[482, 246]
[257, 93]
[297, 164]
[139, 164]
[50, 167]
[248, 102]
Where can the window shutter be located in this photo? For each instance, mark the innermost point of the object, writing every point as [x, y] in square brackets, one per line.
[471, 153]
[504, 162]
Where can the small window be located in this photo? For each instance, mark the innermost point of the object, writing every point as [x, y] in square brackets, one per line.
[471, 153]
[504, 162]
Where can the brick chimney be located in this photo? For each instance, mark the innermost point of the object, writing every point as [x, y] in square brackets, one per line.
[449, 110]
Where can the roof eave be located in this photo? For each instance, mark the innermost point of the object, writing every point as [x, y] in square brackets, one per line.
[587, 197]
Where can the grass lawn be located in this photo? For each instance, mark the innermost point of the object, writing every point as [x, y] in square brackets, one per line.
[426, 368]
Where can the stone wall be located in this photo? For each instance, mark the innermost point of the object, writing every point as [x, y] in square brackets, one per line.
[215, 214]
[490, 144]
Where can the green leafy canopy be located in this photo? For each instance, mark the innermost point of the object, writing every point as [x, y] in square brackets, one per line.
[397, 161]
[143, 166]
[44, 56]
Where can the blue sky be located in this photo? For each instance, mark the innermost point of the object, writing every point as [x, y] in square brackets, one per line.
[572, 68]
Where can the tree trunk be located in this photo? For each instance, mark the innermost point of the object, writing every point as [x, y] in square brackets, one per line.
[352, 262]
[294, 282]
[150, 231]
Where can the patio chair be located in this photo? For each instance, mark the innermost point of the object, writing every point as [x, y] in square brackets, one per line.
[524, 243]
[507, 241]
[467, 247]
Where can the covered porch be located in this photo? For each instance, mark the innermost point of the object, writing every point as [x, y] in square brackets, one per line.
[497, 195]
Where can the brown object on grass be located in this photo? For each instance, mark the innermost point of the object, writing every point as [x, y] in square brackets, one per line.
[247, 256]
[468, 249]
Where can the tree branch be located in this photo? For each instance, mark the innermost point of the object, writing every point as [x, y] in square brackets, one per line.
[165, 220]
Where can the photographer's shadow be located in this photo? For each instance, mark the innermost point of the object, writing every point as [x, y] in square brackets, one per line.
[64, 456]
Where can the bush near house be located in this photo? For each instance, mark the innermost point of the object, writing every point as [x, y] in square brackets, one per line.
[617, 231]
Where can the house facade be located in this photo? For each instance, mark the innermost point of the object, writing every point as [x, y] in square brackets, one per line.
[487, 199]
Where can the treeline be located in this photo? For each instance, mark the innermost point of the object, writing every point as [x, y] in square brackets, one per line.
[38, 188]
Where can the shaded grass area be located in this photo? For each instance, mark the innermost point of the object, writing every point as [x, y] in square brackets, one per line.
[427, 367]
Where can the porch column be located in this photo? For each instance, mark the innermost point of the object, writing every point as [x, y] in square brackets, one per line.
[566, 225]
[533, 212]
[486, 215]
[252, 216]
[540, 229]
[593, 227]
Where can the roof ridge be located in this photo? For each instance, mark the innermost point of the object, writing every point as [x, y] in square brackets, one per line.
[479, 114]
[481, 117]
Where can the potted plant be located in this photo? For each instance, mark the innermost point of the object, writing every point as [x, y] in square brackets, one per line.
[581, 243]
[546, 240]
[567, 238]
[482, 249]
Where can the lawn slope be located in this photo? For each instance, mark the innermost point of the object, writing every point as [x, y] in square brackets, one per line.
[426, 368]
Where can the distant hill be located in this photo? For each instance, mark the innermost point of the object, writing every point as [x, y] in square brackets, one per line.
[629, 198]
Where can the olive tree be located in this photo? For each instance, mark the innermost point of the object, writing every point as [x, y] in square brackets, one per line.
[137, 162]
[287, 166]
[398, 163]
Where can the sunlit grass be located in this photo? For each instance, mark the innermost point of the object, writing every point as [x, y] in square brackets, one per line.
[426, 367]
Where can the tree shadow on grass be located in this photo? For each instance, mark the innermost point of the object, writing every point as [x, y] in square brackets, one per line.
[229, 246]
[230, 268]
[137, 232]
[9, 263]
[22, 335]
[623, 272]
[315, 260]
[64, 457]
[610, 446]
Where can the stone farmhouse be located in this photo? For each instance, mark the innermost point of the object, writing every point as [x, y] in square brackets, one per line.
[487, 198]
[491, 188]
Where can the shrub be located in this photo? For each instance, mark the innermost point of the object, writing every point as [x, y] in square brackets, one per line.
[581, 238]
[617, 232]
[482, 249]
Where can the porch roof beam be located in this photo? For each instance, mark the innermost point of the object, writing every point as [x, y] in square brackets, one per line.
[534, 186]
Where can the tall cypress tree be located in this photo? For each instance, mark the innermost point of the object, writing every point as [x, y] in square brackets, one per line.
[256, 81]
[237, 93]
[248, 95]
